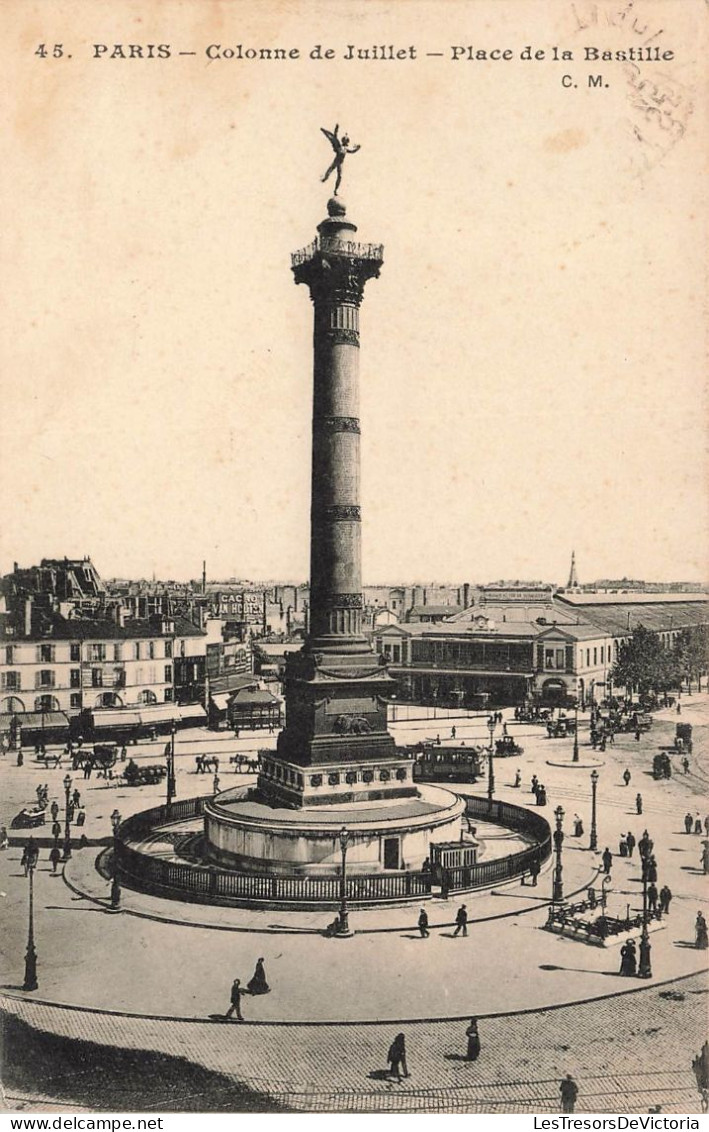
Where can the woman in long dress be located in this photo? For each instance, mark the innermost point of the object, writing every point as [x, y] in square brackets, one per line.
[473, 1040]
[702, 939]
[397, 1057]
[257, 983]
[628, 959]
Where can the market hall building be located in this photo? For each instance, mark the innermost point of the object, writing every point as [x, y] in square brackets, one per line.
[528, 643]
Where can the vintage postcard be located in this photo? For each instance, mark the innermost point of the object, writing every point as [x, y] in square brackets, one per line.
[354, 566]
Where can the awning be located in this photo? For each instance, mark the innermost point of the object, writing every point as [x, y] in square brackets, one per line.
[220, 701]
[35, 720]
[192, 711]
[115, 717]
[158, 713]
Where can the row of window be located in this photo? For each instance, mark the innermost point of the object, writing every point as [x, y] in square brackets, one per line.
[46, 678]
[46, 653]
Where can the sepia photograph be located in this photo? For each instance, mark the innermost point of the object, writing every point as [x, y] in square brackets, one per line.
[354, 560]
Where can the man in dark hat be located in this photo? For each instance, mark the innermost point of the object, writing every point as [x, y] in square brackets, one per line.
[235, 1008]
[461, 920]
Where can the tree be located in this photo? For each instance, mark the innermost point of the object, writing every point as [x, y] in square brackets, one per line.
[644, 663]
[691, 654]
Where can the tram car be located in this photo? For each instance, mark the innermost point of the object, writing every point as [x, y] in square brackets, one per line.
[447, 762]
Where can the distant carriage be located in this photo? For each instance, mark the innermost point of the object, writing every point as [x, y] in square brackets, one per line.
[507, 747]
[661, 766]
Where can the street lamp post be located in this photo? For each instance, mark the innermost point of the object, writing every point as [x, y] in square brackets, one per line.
[343, 923]
[67, 826]
[644, 964]
[116, 880]
[575, 757]
[171, 791]
[490, 763]
[558, 887]
[593, 845]
[30, 982]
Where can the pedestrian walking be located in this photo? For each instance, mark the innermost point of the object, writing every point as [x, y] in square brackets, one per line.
[54, 810]
[257, 983]
[611, 739]
[679, 708]
[706, 825]
[541, 795]
[607, 859]
[569, 1092]
[704, 860]
[638, 803]
[55, 857]
[215, 784]
[698, 825]
[630, 842]
[626, 777]
[423, 924]
[685, 765]
[235, 1008]
[637, 734]
[473, 1040]
[652, 897]
[578, 826]
[20, 757]
[645, 845]
[518, 779]
[461, 920]
[665, 899]
[4, 839]
[535, 784]
[701, 940]
[534, 871]
[397, 1058]
[628, 959]
[452, 732]
[688, 823]
[77, 798]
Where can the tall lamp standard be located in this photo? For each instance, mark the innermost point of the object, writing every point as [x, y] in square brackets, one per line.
[67, 826]
[343, 922]
[490, 763]
[116, 881]
[593, 844]
[171, 791]
[558, 887]
[575, 757]
[644, 964]
[30, 982]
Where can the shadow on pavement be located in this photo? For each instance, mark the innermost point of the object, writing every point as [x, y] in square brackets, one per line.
[105, 1078]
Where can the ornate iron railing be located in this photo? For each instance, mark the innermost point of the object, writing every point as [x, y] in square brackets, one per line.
[328, 245]
[208, 883]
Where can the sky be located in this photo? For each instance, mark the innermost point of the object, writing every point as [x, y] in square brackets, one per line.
[533, 372]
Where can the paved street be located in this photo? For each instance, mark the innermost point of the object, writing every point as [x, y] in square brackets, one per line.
[385, 972]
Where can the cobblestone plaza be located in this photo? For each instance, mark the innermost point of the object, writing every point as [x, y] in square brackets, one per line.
[547, 1005]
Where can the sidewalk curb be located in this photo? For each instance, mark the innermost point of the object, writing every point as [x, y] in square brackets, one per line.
[441, 1020]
